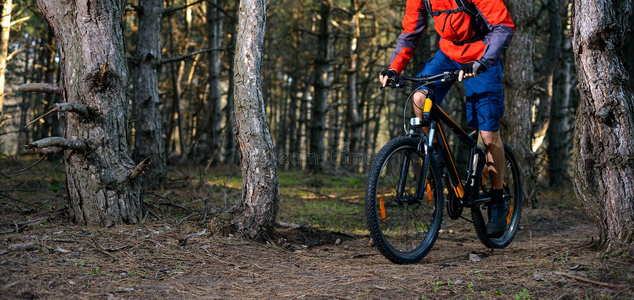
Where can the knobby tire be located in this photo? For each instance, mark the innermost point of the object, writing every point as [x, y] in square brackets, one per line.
[403, 232]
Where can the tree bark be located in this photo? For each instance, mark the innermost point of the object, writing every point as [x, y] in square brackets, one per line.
[260, 190]
[23, 132]
[5, 22]
[559, 134]
[352, 161]
[321, 86]
[210, 128]
[518, 78]
[148, 141]
[231, 155]
[604, 130]
[94, 73]
[551, 68]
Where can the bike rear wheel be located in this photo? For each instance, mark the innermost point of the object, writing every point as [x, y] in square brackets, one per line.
[403, 228]
[512, 196]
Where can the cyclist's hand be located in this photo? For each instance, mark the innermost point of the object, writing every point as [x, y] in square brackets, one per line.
[387, 77]
[471, 69]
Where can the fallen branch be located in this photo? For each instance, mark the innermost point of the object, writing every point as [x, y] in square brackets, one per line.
[16, 200]
[66, 144]
[22, 247]
[290, 225]
[49, 88]
[183, 241]
[98, 248]
[175, 205]
[20, 226]
[138, 170]
[6, 176]
[577, 278]
[361, 255]
[62, 240]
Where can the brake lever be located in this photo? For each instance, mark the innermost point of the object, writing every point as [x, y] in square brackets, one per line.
[396, 84]
[399, 83]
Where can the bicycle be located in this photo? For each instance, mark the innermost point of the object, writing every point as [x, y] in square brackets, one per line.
[404, 193]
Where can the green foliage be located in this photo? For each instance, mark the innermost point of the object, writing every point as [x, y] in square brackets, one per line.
[522, 295]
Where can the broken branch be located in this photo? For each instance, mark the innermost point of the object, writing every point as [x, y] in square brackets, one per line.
[188, 55]
[40, 117]
[33, 165]
[169, 10]
[49, 88]
[134, 173]
[47, 151]
[77, 108]
[59, 142]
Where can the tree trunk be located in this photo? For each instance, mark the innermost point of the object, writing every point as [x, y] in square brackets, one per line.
[23, 132]
[551, 68]
[293, 143]
[559, 134]
[352, 160]
[629, 50]
[100, 179]
[604, 132]
[148, 141]
[210, 127]
[321, 86]
[5, 22]
[231, 155]
[518, 78]
[260, 190]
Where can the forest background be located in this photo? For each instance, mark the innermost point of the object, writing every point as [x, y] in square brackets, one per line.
[324, 109]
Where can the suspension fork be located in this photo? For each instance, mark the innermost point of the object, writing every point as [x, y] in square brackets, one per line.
[402, 181]
[425, 147]
[477, 163]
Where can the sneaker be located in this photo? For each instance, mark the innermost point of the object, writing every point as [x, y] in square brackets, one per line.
[498, 213]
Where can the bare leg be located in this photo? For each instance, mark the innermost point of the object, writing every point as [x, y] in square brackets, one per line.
[418, 100]
[495, 157]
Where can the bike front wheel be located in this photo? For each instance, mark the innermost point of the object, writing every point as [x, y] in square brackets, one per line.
[403, 215]
[512, 189]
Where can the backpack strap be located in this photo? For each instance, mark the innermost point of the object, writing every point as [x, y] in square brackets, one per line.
[474, 39]
[468, 7]
[427, 6]
[463, 6]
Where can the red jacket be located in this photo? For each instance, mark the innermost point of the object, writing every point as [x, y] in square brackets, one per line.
[455, 27]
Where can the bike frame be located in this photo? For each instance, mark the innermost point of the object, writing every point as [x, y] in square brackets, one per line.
[433, 116]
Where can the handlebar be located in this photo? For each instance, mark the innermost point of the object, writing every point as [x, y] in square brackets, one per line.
[401, 81]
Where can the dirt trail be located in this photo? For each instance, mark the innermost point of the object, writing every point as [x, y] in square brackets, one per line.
[175, 257]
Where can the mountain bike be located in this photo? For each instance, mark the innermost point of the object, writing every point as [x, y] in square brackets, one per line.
[405, 189]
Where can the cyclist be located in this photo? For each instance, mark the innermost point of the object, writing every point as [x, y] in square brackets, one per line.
[473, 38]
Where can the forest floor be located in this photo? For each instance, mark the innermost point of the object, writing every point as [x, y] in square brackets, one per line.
[177, 253]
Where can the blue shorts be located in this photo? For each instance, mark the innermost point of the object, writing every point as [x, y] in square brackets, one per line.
[485, 93]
